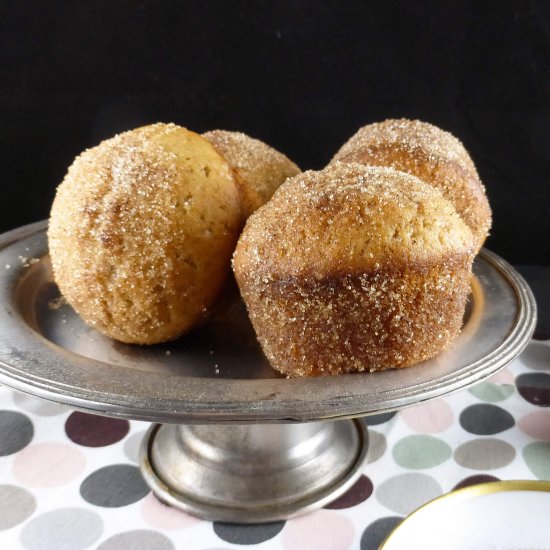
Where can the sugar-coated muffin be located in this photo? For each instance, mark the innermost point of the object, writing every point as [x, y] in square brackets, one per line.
[354, 268]
[142, 230]
[259, 168]
[433, 155]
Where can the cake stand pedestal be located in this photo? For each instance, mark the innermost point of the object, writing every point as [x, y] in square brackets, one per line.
[232, 440]
[252, 473]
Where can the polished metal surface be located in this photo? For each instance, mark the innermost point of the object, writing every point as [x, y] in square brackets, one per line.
[218, 373]
[253, 473]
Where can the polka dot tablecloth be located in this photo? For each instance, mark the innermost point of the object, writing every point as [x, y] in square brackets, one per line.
[70, 480]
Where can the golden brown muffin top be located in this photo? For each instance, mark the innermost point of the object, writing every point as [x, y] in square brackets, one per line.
[350, 218]
[413, 136]
[260, 168]
[137, 223]
[433, 155]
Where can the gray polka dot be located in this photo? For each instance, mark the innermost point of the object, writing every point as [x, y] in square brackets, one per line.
[74, 528]
[375, 419]
[406, 492]
[38, 406]
[140, 539]
[247, 534]
[376, 446]
[16, 432]
[484, 454]
[132, 446]
[536, 356]
[377, 532]
[114, 486]
[484, 419]
[16, 505]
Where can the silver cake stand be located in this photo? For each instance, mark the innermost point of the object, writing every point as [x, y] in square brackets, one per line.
[232, 440]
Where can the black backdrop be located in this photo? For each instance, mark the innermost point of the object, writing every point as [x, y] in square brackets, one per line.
[302, 76]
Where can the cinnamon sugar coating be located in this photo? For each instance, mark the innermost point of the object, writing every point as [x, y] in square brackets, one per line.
[259, 168]
[354, 268]
[433, 155]
[142, 230]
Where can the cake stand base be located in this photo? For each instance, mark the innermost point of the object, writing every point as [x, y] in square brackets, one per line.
[252, 473]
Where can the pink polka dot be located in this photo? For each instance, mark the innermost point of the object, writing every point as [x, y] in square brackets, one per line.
[322, 530]
[503, 376]
[48, 464]
[161, 516]
[536, 424]
[432, 417]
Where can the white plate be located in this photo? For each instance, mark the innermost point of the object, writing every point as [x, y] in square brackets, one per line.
[501, 515]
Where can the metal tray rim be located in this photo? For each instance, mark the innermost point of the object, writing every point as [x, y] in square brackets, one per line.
[273, 401]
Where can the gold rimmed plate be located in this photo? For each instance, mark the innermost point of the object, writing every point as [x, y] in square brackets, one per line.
[497, 515]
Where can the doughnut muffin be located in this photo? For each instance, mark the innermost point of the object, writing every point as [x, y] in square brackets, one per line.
[431, 154]
[354, 268]
[142, 230]
[259, 168]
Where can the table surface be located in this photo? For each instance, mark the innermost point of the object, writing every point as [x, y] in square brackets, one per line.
[70, 480]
